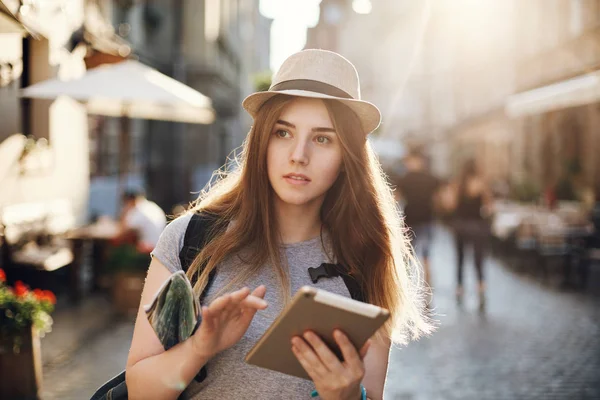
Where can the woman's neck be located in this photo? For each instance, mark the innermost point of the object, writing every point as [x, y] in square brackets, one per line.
[298, 223]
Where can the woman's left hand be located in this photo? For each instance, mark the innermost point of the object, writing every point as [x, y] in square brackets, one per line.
[333, 379]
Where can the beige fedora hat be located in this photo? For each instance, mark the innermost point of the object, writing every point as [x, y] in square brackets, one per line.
[319, 74]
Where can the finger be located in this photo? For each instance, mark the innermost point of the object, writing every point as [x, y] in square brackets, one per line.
[311, 363]
[242, 302]
[254, 302]
[365, 348]
[233, 306]
[349, 352]
[219, 304]
[260, 291]
[323, 351]
[250, 306]
[305, 364]
[247, 314]
[239, 295]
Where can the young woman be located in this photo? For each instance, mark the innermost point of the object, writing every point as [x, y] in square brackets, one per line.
[308, 190]
[473, 201]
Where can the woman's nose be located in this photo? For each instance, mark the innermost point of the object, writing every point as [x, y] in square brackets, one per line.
[299, 153]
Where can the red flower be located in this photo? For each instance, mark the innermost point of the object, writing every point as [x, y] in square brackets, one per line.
[48, 295]
[21, 289]
[2, 275]
[39, 294]
[44, 295]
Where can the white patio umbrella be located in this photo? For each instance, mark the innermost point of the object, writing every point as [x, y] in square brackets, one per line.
[129, 89]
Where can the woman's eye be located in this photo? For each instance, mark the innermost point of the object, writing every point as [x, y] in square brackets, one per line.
[282, 133]
[323, 139]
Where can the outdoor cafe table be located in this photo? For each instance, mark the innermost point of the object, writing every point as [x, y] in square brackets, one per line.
[532, 223]
[98, 234]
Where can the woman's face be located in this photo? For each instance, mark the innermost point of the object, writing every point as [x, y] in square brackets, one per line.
[304, 154]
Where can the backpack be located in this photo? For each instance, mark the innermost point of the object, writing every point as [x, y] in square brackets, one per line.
[197, 235]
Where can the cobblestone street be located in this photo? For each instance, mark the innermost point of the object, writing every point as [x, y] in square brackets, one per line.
[533, 342]
[99, 360]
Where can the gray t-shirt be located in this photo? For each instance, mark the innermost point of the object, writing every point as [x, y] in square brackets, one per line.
[229, 377]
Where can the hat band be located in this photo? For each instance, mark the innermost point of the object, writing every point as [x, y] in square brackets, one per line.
[311, 86]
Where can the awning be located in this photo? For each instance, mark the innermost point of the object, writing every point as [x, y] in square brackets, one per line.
[103, 45]
[10, 24]
[130, 89]
[578, 91]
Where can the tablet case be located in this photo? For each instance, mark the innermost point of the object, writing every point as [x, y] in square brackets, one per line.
[321, 312]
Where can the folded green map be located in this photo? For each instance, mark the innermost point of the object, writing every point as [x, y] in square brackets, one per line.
[174, 312]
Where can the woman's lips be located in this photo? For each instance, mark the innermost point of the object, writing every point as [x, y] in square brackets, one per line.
[297, 179]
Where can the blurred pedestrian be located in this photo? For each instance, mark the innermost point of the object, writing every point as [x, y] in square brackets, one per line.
[471, 226]
[141, 221]
[417, 189]
[307, 192]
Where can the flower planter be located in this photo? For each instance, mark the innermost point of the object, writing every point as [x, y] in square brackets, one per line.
[21, 368]
[127, 292]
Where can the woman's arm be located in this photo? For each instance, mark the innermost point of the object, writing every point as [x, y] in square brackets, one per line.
[376, 365]
[152, 371]
[155, 373]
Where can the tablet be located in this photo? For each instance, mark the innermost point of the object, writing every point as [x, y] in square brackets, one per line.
[321, 312]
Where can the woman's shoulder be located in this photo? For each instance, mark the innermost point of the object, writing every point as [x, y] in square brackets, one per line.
[178, 226]
[171, 241]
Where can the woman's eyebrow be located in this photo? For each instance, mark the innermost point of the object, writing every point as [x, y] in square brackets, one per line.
[322, 129]
[317, 129]
[285, 123]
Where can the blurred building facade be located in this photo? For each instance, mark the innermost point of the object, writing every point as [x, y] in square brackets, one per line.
[460, 78]
[52, 166]
[327, 34]
[464, 72]
[211, 45]
[556, 108]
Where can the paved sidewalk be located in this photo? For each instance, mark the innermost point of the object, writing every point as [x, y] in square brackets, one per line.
[77, 377]
[532, 343]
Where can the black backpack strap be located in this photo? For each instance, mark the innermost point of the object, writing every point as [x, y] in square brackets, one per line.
[115, 389]
[196, 237]
[328, 270]
[198, 233]
[355, 289]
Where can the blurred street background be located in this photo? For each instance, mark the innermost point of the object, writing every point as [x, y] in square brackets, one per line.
[491, 114]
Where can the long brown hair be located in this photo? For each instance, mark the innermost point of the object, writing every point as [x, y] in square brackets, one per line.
[359, 212]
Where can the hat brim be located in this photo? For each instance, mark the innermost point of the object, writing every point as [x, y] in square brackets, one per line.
[367, 113]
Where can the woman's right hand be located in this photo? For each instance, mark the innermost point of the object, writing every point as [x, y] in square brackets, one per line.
[226, 320]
